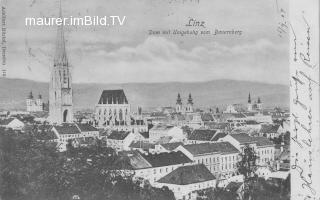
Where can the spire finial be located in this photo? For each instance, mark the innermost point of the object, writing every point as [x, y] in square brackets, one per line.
[190, 100]
[30, 95]
[60, 57]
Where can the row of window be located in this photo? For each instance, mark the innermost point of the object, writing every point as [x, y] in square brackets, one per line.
[216, 159]
[265, 151]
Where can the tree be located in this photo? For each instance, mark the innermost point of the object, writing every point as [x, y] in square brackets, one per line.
[35, 170]
[247, 167]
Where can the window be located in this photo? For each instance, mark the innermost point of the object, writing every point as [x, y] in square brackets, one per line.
[154, 171]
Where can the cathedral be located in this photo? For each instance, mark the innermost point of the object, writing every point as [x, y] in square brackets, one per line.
[34, 105]
[188, 108]
[60, 86]
[113, 111]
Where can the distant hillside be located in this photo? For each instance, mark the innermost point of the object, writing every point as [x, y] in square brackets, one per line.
[148, 95]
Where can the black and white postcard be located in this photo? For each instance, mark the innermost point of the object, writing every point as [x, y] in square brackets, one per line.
[159, 100]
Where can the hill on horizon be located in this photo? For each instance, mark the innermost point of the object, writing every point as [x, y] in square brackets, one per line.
[13, 93]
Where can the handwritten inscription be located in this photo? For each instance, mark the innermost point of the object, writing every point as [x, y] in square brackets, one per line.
[303, 87]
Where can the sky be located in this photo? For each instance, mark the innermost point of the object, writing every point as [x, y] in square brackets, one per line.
[122, 54]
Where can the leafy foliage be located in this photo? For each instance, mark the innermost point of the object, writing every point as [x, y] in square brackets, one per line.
[30, 169]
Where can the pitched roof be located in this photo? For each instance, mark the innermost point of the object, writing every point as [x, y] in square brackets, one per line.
[210, 148]
[67, 128]
[118, 135]
[233, 186]
[262, 141]
[166, 159]
[86, 127]
[186, 175]
[171, 146]
[144, 134]
[130, 160]
[142, 145]
[113, 97]
[269, 128]
[162, 127]
[218, 136]
[215, 125]
[7, 121]
[202, 134]
[46, 135]
[243, 138]
[206, 117]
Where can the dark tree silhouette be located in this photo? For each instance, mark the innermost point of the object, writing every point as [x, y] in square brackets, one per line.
[247, 167]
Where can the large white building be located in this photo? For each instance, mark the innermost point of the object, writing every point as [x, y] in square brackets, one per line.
[186, 181]
[75, 132]
[220, 158]
[60, 86]
[264, 148]
[34, 105]
[149, 166]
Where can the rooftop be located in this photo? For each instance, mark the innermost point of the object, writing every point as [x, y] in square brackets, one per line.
[202, 135]
[244, 138]
[118, 135]
[209, 148]
[206, 117]
[5, 122]
[67, 128]
[269, 128]
[162, 127]
[171, 146]
[186, 175]
[166, 159]
[86, 127]
[142, 145]
[113, 97]
[130, 160]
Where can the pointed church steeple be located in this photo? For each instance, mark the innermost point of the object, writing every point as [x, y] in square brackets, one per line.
[30, 95]
[60, 57]
[259, 100]
[179, 101]
[60, 86]
[249, 98]
[190, 100]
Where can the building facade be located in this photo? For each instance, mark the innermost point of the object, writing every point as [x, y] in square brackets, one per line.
[113, 111]
[34, 105]
[189, 106]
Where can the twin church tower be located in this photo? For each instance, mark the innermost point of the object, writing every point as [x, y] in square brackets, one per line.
[60, 86]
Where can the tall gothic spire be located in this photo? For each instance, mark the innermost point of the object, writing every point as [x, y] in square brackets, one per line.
[60, 57]
[249, 98]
